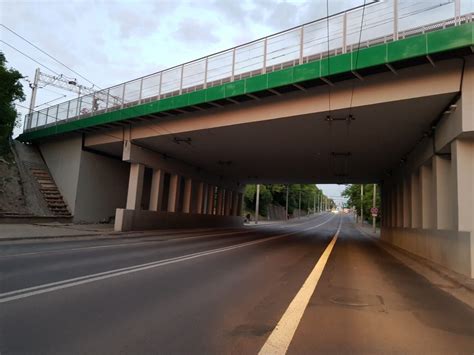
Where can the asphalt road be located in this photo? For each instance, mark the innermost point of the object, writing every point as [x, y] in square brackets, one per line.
[223, 291]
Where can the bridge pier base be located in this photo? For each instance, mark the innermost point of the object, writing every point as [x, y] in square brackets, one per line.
[135, 220]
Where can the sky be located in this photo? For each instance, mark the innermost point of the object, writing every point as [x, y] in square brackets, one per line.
[109, 42]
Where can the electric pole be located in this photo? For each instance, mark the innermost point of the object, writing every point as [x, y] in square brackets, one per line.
[362, 204]
[299, 204]
[257, 202]
[287, 196]
[314, 203]
[34, 90]
[373, 205]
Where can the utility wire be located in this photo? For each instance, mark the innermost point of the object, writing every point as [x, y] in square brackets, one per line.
[357, 56]
[50, 56]
[27, 56]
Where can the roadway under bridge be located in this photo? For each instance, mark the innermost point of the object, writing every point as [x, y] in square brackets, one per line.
[396, 111]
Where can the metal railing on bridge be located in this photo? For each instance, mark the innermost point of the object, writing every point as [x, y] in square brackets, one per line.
[361, 27]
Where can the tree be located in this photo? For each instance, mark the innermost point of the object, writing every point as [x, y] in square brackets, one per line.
[352, 193]
[276, 194]
[10, 91]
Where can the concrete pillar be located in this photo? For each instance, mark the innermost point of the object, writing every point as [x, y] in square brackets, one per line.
[385, 204]
[156, 191]
[393, 206]
[415, 199]
[205, 198]
[443, 193]
[173, 198]
[210, 199]
[200, 198]
[188, 183]
[462, 157]
[406, 202]
[240, 203]
[400, 204]
[228, 202]
[426, 197]
[235, 203]
[135, 186]
[220, 201]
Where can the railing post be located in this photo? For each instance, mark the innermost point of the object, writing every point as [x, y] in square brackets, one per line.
[140, 94]
[77, 107]
[301, 44]
[107, 100]
[344, 33]
[233, 65]
[68, 108]
[457, 11]
[159, 86]
[395, 20]
[123, 95]
[205, 72]
[264, 69]
[79, 104]
[181, 80]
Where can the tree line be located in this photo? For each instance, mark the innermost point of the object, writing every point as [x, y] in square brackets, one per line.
[275, 194]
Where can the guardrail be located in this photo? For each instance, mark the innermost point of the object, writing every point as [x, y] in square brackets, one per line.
[361, 27]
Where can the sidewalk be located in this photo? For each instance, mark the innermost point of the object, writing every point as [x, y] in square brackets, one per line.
[457, 285]
[69, 231]
[53, 230]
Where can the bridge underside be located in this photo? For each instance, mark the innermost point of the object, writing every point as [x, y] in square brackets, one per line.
[304, 149]
[412, 131]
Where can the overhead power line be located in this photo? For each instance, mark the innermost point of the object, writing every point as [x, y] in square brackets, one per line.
[27, 56]
[49, 55]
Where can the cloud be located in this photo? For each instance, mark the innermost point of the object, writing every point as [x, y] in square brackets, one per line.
[193, 32]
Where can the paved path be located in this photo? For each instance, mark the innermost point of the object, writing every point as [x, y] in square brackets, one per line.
[224, 291]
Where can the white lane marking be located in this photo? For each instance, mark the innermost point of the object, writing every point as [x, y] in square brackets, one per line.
[280, 338]
[152, 241]
[58, 285]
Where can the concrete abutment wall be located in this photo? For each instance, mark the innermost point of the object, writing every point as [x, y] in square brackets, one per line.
[428, 203]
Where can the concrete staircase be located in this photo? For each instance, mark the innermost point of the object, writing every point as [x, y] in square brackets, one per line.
[41, 193]
[50, 192]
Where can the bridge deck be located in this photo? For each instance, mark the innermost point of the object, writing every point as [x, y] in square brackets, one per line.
[417, 45]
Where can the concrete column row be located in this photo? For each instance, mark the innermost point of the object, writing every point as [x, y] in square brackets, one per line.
[209, 199]
[439, 195]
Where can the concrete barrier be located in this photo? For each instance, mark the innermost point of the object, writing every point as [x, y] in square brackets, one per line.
[127, 220]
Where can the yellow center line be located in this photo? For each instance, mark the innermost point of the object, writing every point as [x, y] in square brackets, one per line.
[280, 339]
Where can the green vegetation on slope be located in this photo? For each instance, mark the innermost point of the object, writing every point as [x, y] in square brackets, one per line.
[10, 90]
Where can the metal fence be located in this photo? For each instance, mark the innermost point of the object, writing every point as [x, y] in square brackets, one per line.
[375, 23]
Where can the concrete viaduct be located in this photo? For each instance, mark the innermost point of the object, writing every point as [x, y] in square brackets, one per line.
[177, 147]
